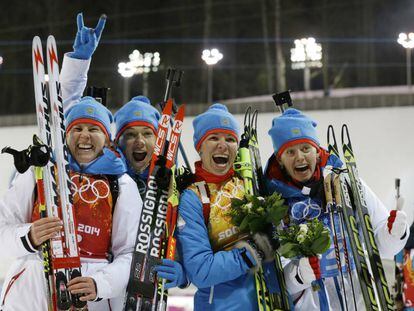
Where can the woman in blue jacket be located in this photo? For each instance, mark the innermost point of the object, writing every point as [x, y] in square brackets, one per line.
[214, 253]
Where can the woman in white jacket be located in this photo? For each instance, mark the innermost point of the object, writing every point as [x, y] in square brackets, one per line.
[106, 221]
[296, 171]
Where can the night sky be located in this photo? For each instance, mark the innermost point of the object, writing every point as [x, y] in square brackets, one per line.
[358, 40]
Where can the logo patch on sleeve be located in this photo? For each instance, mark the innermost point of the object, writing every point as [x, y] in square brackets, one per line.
[180, 223]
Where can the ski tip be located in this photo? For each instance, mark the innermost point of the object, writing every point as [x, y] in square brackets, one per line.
[168, 106]
[181, 109]
[51, 40]
[36, 39]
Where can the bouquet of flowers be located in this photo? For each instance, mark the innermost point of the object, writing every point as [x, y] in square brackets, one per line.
[254, 214]
[307, 239]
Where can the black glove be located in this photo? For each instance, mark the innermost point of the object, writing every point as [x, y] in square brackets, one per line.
[259, 250]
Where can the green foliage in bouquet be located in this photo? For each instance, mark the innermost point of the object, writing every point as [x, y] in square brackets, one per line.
[254, 214]
[308, 239]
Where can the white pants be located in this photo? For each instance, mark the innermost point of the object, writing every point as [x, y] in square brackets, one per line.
[25, 288]
[309, 299]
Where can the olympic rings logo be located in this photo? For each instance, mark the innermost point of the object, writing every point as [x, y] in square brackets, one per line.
[223, 200]
[90, 186]
[142, 186]
[305, 210]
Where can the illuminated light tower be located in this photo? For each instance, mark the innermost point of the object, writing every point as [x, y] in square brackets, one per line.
[144, 64]
[407, 41]
[305, 55]
[210, 57]
[139, 64]
[126, 71]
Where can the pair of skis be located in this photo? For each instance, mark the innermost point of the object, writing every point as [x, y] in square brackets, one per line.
[144, 291]
[249, 166]
[371, 273]
[60, 254]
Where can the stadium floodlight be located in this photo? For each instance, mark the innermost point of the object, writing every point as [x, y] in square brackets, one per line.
[211, 57]
[407, 41]
[139, 64]
[305, 55]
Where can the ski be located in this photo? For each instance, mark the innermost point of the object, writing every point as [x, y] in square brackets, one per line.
[399, 283]
[384, 295]
[143, 286]
[168, 241]
[344, 203]
[249, 166]
[64, 254]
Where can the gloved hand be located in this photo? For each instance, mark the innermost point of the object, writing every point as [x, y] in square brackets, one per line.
[397, 223]
[263, 244]
[87, 39]
[173, 272]
[309, 269]
[256, 251]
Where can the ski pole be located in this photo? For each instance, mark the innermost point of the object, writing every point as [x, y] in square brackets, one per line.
[399, 259]
[174, 80]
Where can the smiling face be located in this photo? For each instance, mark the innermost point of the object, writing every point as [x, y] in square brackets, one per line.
[86, 142]
[300, 161]
[137, 143]
[218, 152]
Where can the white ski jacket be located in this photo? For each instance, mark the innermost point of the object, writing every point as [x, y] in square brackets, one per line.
[303, 296]
[25, 284]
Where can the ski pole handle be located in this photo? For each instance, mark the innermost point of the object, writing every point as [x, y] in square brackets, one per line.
[399, 200]
[397, 186]
[328, 192]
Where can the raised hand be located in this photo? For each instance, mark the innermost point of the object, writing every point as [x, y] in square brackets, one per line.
[87, 39]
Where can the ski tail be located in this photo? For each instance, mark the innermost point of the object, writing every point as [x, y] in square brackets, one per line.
[344, 204]
[71, 261]
[248, 165]
[62, 251]
[44, 121]
[144, 290]
[384, 295]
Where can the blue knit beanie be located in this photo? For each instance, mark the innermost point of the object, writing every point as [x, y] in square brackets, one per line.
[291, 128]
[137, 112]
[88, 110]
[216, 119]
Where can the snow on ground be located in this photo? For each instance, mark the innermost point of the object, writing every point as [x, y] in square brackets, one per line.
[381, 138]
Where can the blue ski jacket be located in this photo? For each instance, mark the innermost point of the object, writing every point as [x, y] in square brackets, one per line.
[207, 243]
[223, 273]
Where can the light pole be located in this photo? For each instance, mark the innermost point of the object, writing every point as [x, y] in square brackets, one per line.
[407, 41]
[210, 57]
[305, 55]
[140, 64]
